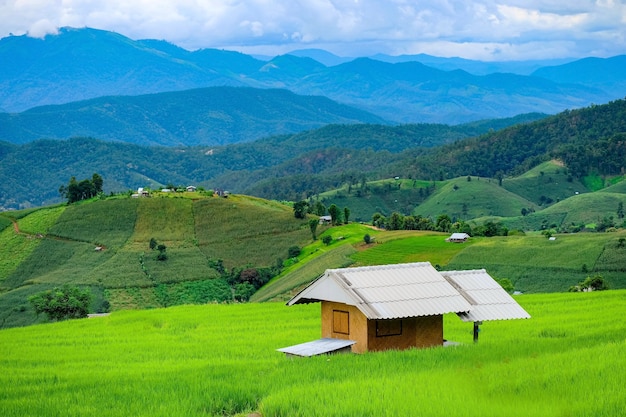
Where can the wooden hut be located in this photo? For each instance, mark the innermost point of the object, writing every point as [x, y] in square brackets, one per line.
[400, 306]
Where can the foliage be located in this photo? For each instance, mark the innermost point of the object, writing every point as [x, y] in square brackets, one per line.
[506, 284]
[300, 209]
[367, 238]
[595, 283]
[335, 214]
[294, 251]
[62, 303]
[313, 223]
[327, 239]
[83, 190]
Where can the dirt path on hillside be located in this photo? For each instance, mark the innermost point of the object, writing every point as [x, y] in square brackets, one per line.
[16, 229]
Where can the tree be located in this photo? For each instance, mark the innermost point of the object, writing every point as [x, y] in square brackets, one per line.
[319, 208]
[243, 291]
[85, 189]
[313, 226]
[367, 239]
[378, 220]
[335, 214]
[327, 239]
[506, 284]
[396, 221]
[153, 243]
[346, 215]
[97, 182]
[595, 283]
[300, 209]
[443, 223]
[67, 302]
[294, 251]
[620, 210]
[162, 256]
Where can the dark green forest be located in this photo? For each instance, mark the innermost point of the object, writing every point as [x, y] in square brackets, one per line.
[298, 166]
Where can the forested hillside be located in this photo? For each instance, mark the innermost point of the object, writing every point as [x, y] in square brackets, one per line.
[32, 177]
[209, 116]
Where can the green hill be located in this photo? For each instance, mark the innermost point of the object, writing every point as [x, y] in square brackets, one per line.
[472, 197]
[105, 245]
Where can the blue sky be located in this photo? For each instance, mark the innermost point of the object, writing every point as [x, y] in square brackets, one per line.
[478, 29]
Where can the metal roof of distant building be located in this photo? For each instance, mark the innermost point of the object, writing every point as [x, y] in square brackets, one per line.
[488, 299]
[387, 291]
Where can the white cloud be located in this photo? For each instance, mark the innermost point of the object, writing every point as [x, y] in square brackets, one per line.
[495, 29]
[41, 28]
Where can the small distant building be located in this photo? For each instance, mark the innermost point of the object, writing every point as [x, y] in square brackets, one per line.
[458, 237]
[325, 219]
[141, 192]
[399, 306]
[222, 193]
[191, 188]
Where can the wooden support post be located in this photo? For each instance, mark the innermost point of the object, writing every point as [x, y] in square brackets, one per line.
[476, 330]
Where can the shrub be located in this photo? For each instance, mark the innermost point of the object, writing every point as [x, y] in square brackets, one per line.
[294, 251]
[327, 239]
[67, 302]
[367, 238]
[595, 283]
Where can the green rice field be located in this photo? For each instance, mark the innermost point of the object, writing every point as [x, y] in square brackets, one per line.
[221, 360]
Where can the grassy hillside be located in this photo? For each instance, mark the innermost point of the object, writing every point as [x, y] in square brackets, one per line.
[221, 360]
[536, 264]
[209, 240]
[57, 245]
[471, 197]
[545, 184]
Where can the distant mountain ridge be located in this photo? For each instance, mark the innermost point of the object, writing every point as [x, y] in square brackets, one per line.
[79, 64]
[206, 116]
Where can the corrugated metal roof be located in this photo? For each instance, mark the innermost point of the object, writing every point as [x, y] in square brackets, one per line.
[388, 291]
[489, 301]
[318, 347]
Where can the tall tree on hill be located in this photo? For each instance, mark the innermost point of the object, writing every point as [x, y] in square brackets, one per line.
[76, 191]
[335, 214]
[300, 209]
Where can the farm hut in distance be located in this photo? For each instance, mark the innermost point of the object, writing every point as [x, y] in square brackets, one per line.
[401, 306]
[458, 237]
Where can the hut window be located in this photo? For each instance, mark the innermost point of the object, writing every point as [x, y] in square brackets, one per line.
[388, 328]
[341, 322]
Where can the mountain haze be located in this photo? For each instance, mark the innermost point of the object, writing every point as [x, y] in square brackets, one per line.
[79, 64]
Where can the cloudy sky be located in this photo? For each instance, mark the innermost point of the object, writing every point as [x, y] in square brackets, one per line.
[476, 29]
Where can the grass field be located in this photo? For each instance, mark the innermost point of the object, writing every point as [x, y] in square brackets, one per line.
[221, 360]
[479, 197]
[536, 264]
[402, 247]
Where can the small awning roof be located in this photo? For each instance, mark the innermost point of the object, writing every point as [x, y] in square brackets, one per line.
[318, 347]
